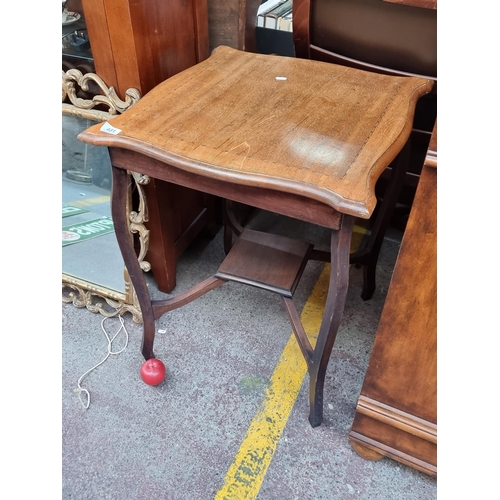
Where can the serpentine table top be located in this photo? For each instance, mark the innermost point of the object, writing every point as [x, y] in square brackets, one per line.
[316, 129]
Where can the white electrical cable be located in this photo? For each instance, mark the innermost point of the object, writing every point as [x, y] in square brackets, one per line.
[79, 390]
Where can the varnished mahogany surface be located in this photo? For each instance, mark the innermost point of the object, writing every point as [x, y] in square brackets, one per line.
[326, 132]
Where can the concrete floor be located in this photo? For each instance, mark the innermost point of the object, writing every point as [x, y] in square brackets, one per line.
[178, 440]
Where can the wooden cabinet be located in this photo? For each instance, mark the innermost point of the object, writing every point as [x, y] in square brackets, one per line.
[142, 43]
[138, 44]
[396, 414]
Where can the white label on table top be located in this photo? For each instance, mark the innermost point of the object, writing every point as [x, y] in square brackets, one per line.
[109, 129]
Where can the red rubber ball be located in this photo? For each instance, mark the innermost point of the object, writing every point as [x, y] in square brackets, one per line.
[153, 371]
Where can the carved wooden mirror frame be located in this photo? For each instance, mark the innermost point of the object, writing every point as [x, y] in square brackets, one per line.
[97, 298]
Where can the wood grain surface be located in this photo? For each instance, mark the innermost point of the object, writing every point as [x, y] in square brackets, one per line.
[320, 130]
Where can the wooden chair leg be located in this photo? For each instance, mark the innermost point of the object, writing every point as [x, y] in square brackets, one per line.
[231, 225]
[367, 256]
[335, 301]
[125, 242]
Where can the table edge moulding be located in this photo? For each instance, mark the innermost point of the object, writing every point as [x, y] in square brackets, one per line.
[303, 138]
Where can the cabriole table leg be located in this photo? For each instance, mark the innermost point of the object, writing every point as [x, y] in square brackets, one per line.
[119, 196]
[334, 308]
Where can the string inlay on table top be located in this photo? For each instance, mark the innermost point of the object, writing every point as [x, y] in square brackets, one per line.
[306, 127]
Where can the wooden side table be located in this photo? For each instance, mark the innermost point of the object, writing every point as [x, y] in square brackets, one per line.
[396, 414]
[302, 138]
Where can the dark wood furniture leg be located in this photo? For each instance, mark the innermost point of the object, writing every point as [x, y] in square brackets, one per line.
[235, 216]
[119, 195]
[317, 358]
[367, 256]
[335, 301]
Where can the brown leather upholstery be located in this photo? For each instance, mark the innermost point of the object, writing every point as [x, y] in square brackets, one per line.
[384, 34]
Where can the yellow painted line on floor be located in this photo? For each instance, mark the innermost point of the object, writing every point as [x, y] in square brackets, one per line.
[90, 201]
[246, 474]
